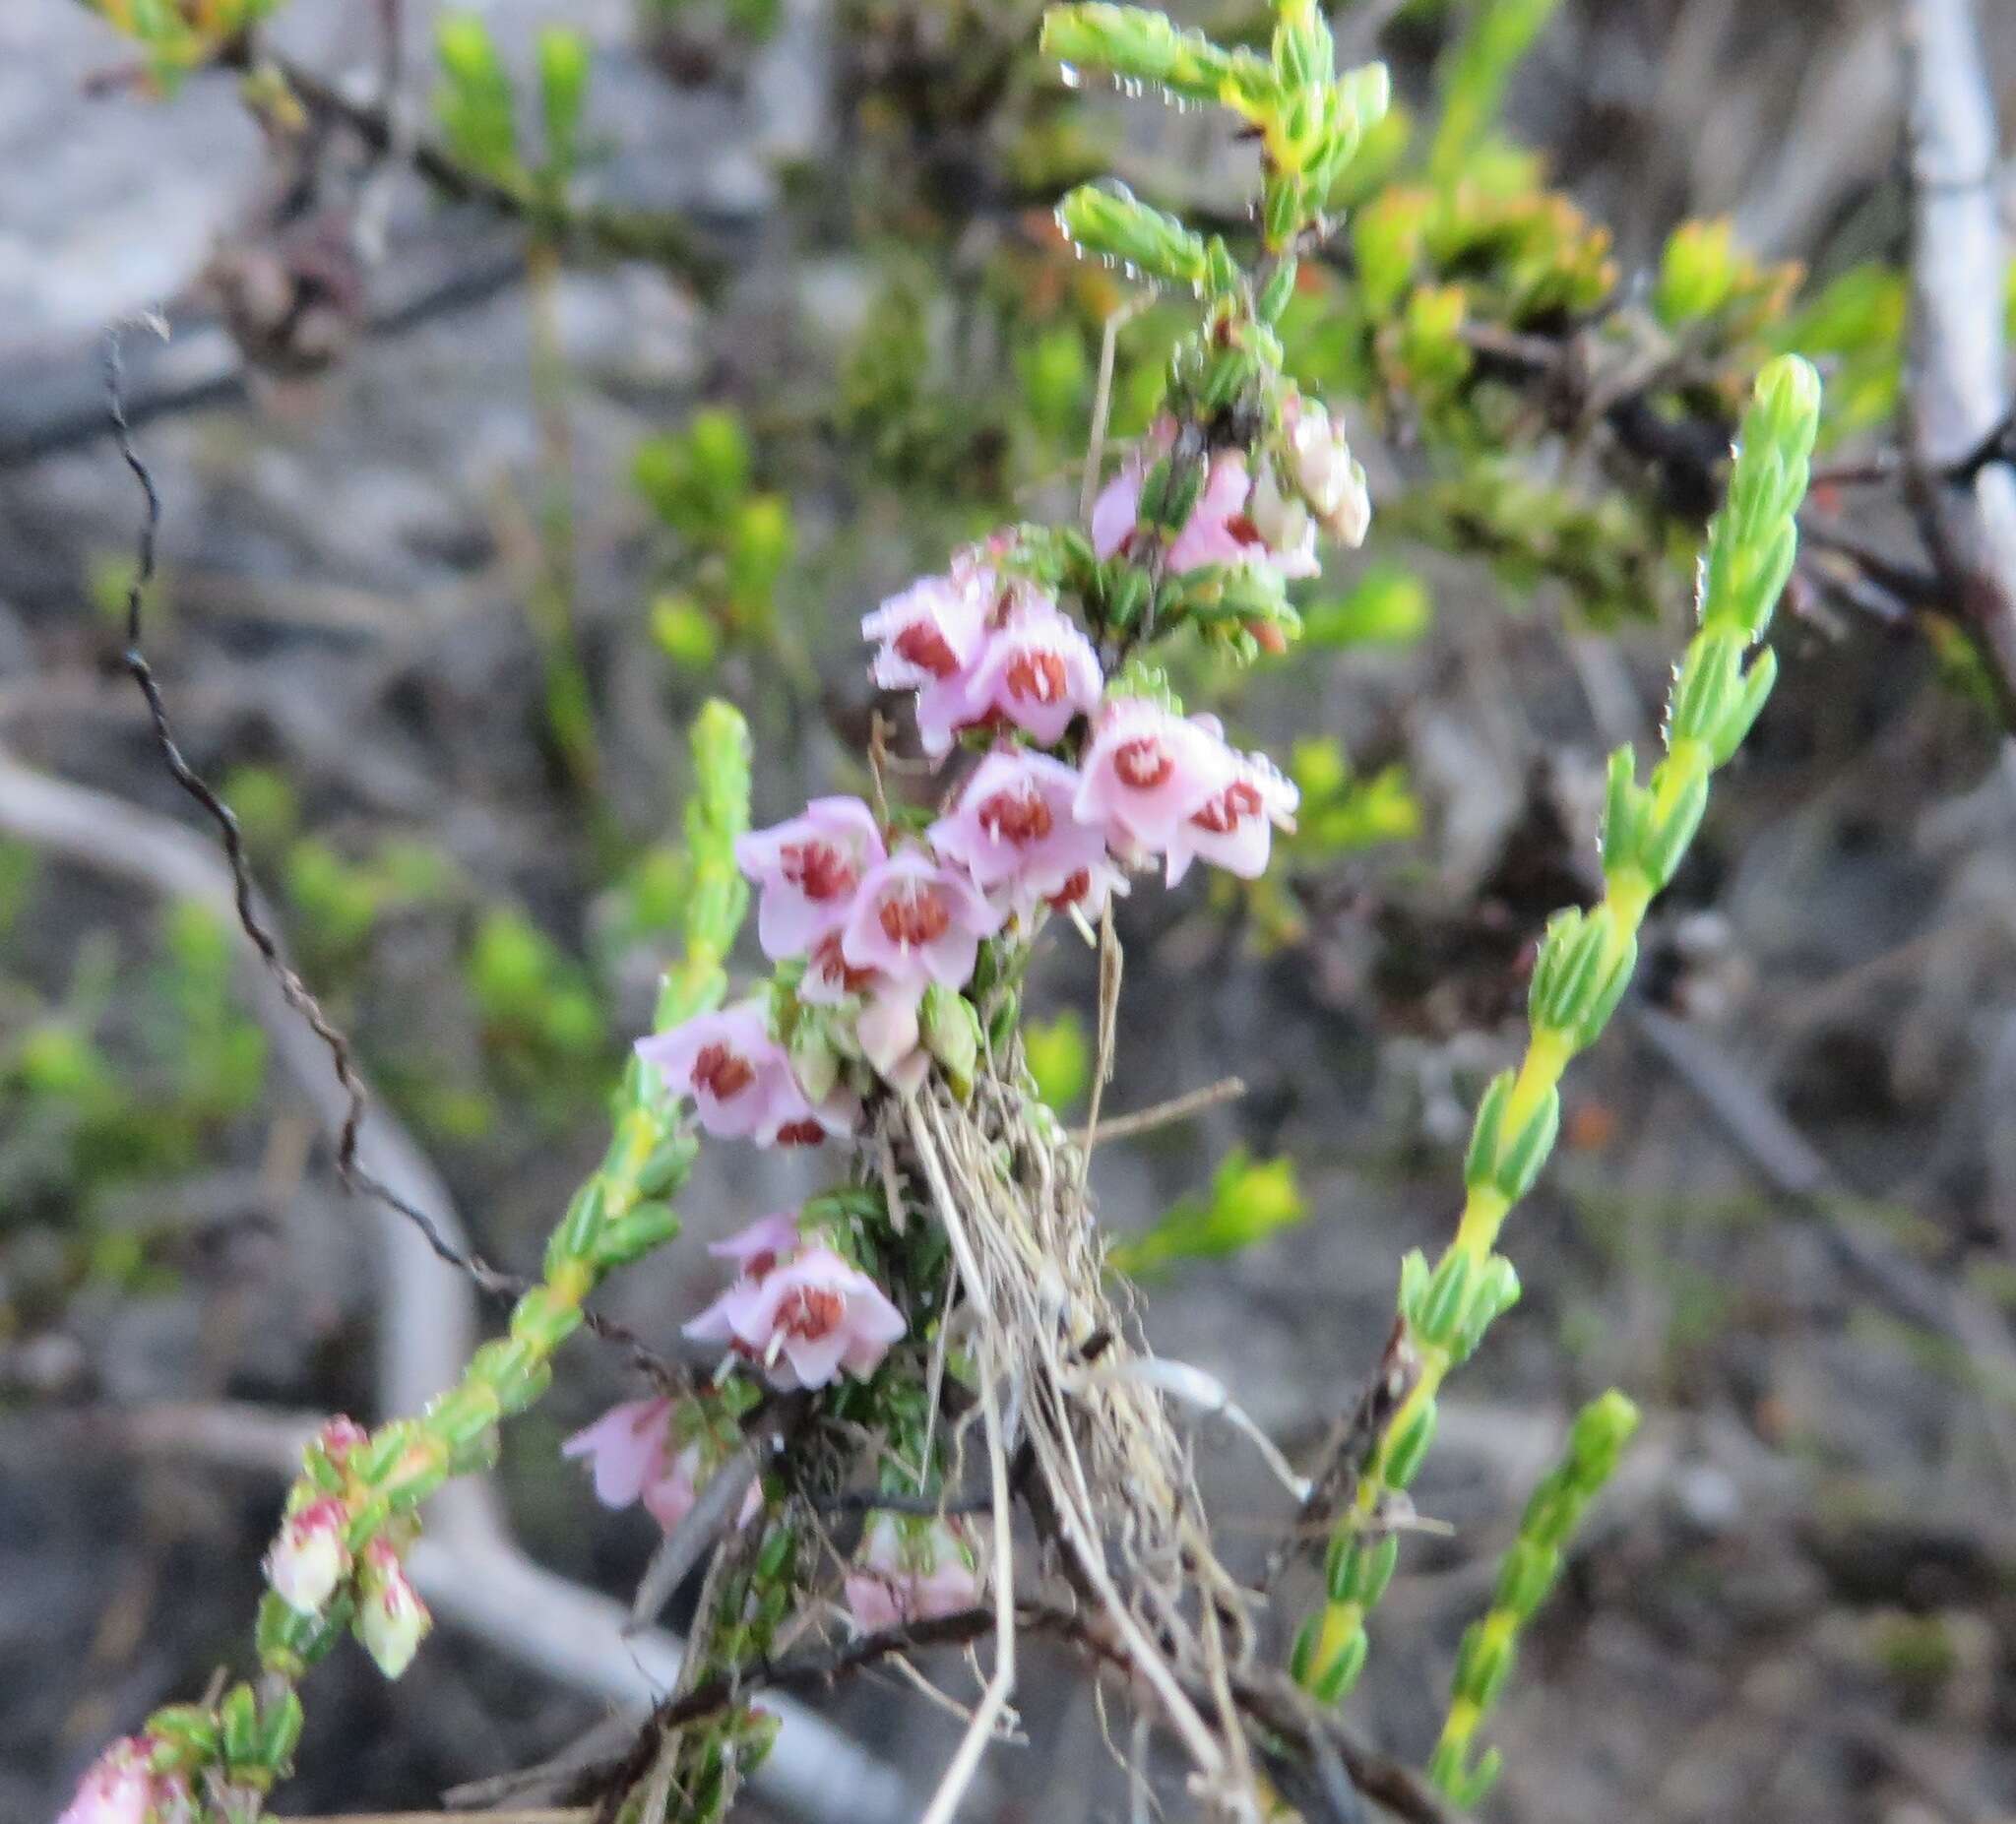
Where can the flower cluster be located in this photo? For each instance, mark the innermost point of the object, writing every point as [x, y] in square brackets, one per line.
[660, 1451]
[1080, 782]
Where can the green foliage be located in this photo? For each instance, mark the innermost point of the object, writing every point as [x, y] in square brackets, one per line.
[476, 104]
[1587, 959]
[541, 1016]
[210, 1052]
[1249, 1200]
[177, 36]
[735, 541]
[1473, 75]
[1389, 606]
[1525, 1577]
[1059, 1054]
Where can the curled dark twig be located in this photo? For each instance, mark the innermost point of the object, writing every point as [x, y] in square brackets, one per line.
[354, 1175]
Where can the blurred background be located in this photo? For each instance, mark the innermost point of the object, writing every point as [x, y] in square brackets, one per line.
[489, 447]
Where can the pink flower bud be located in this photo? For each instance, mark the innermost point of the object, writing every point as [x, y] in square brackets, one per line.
[391, 1619]
[119, 1787]
[340, 1436]
[1330, 482]
[311, 1556]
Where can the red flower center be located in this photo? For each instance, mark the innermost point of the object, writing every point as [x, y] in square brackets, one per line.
[914, 917]
[1072, 891]
[1036, 677]
[721, 1073]
[925, 647]
[829, 965]
[1017, 816]
[810, 1312]
[819, 870]
[805, 1133]
[759, 1265]
[1143, 763]
[1230, 808]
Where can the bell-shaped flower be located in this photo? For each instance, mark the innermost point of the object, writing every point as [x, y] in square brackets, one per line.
[1284, 527]
[806, 1320]
[391, 1619]
[635, 1454]
[909, 1570]
[1036, 671]
[1233, 522]
[931, 631]
[1331, 480]
[727, 1061]
[1013, 829]
[915, 920]
[758, 1246]
[1147, 772]
[807, 870]
[311, 1556]
[1088, 892]
[1233, 829]
[794, 1119]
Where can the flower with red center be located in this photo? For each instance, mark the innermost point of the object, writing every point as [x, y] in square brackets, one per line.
[1013, 829]
[727, 1061]
[121, 1788]
[311, 1556]
[1036, 671]
[1233, 829]
[807, 1319]
[658, 1451]
[916, 922]
[830, 979]
[1147, 772]
[912, 1570]
[931, 631]
[807, 869]
[1086, 892]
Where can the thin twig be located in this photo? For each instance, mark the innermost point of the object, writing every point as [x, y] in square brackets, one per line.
[1182, 1107]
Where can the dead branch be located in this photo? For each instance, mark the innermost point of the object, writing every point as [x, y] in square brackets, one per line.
[1957, 397]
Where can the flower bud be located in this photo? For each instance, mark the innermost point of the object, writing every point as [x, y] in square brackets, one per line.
[1330, 480]
[1282, 523]
[310, 1559]
[391, 1620]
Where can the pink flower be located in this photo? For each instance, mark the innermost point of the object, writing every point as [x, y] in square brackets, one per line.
[1013, 828]
[119, 1787]
[311, 1556]
[932, 630]
[1034, 673]
[806, 1320]
[390, 1618]
[758, 1246]
[1233, 522]
[1231, 828]
[807, 869]
[1147, 771]
[630, 1449]
[794, 1120]
[1088, 891]
[918, 921]
[736, 1074]
[830, 979]
[625, 1449]
[911, 1571]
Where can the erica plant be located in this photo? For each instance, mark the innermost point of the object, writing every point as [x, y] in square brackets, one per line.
[927, 1404]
